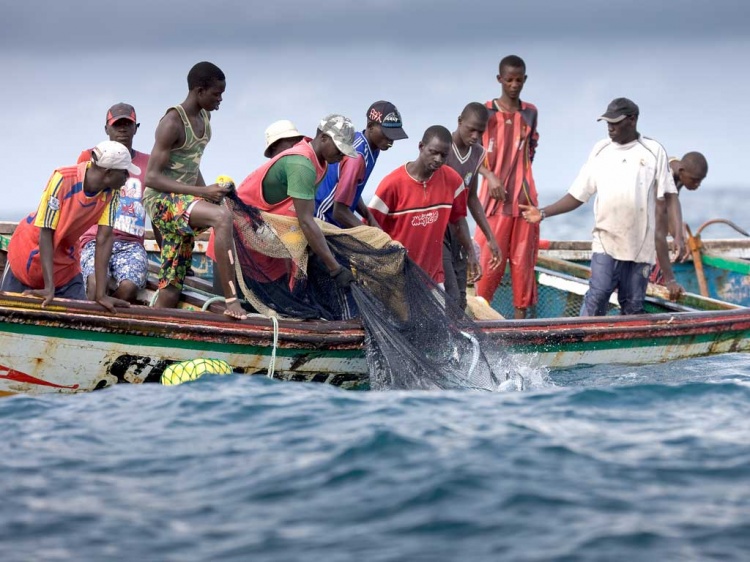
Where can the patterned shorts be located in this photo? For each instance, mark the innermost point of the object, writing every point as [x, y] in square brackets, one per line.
[170, 213]
[128, 262]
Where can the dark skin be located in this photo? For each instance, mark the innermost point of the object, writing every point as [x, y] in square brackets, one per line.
[95, 181]
[281, 145]
[689, 178]
[624, 132]
[122, 131]
[342, 214]
[207, 213]
[326, 152]
[469, 133]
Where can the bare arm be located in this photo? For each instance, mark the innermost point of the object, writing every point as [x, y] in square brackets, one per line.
[563, 205]
[305, 209]
[343, 215]
[46, 251]
[496, 189]
[473, 272]
[170, 134]
[364, 210]
[674, 215]
[662, 251]
[104, 241]
[477, 211]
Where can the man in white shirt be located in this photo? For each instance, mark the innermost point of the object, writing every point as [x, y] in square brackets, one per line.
[628, 173]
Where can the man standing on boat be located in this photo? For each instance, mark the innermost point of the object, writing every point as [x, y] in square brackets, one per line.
[128, 265]
[687, 172]
[511, 140]
[340, 192]
[466, 157]
[177, 198]
[415, 203]
[628, 173]
[44, 252]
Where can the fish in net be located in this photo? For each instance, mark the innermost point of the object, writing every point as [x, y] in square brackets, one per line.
[415, 337]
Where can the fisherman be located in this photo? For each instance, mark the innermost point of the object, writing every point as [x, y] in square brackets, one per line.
[466, 157]
[511, 139]
[128, 266]
[628, 173]
[177, 198]
[44, 253]
[340, 192]
[286, 184]
[687, 172]
[415, 203]
[281, 135]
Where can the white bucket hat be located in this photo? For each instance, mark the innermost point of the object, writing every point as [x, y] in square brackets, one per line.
[283, 129]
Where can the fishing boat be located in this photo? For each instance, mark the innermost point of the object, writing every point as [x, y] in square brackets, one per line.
[76, 346]
[718, 268]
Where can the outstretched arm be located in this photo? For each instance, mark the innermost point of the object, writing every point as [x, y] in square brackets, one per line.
[563, 205]
[662, 252]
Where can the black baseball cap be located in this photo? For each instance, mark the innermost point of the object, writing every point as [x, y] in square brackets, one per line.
[386, 114]
[618, 109]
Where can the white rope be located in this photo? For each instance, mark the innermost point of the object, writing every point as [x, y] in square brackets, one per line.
[272, 364]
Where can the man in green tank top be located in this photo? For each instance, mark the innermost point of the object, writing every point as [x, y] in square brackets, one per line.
[177, 198]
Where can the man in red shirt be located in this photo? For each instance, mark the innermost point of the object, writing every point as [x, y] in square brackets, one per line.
[44, 252]
[415, 203]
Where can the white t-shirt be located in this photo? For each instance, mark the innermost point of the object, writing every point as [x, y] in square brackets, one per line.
[627, 179]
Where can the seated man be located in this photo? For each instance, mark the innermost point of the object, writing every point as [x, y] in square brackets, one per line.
[415, 203]
[128, 266]
[43, 253]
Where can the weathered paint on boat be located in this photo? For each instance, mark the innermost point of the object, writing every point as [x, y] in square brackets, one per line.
[725, 266]
[75, 346]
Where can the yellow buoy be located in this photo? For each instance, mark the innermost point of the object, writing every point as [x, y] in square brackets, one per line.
[186, 371]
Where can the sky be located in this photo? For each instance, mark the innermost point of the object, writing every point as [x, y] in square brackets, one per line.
[65, 63]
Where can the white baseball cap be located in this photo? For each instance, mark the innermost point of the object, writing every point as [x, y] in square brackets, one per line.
[114, 156]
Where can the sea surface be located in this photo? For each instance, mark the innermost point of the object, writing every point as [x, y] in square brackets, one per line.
[605, 463]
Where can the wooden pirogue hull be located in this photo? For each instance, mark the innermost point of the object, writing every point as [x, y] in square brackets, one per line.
[726, 266]
[76, 346]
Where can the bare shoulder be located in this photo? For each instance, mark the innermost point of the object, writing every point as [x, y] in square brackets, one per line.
[170, 130]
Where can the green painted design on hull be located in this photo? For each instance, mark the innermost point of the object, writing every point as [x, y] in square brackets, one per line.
[728, 264]
[151, 341]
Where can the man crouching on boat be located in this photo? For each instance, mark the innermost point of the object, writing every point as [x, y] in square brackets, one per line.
[286, 185]
[44, 252]
[628, 173]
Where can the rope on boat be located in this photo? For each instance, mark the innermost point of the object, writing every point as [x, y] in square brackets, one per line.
[210, 301]
[272, 364]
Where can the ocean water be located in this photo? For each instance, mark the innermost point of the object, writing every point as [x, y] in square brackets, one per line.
[605, 463]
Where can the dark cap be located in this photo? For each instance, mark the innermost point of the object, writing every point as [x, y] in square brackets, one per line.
[618, 109]
[121, 111]
[385, 113]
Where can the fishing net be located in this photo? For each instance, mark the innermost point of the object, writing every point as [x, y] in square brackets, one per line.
[414, 339]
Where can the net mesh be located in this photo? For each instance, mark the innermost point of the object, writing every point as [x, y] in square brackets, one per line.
[414, 338]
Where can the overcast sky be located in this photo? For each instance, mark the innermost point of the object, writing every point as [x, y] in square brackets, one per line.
[64, 63]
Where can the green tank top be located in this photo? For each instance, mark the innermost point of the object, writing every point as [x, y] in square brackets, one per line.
[184, 162]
